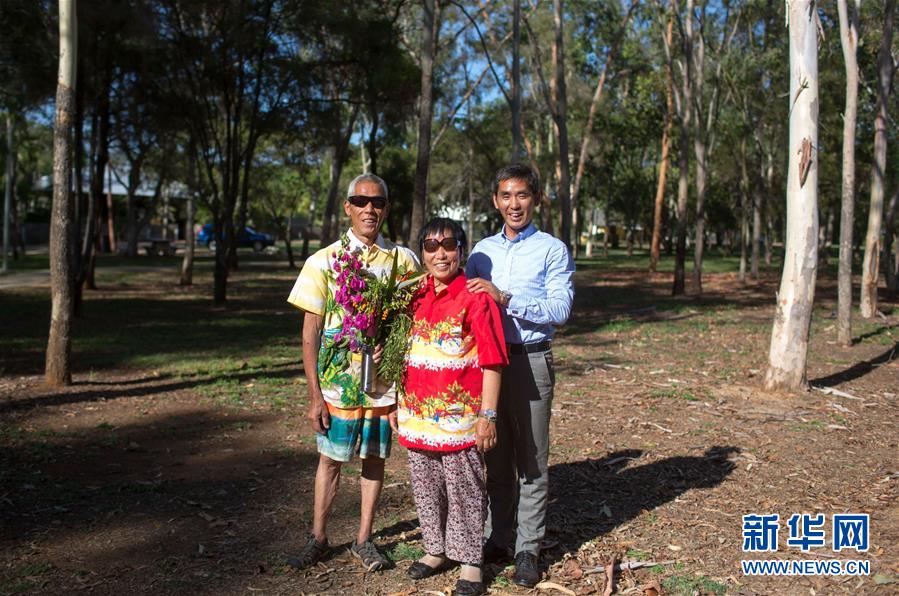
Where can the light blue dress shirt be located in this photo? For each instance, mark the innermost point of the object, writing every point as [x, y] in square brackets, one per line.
[536, 269]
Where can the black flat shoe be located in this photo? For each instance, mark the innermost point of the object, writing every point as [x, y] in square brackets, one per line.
[419, 570]
[468, 588]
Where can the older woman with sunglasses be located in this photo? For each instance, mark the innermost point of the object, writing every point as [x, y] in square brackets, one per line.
[447, 411]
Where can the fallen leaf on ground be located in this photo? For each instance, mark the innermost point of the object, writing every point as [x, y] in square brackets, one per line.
[572, 569]
[653, 588]
[546, 586]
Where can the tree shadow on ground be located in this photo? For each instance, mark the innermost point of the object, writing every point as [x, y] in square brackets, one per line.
[859, 369]
[144, 387]
[589, 498]
[190, 502]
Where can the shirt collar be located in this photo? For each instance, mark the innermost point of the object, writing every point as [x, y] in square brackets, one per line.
[355, 242]
[454, 287]
[523, 235]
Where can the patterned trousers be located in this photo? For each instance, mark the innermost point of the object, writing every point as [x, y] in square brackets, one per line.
[451, 497]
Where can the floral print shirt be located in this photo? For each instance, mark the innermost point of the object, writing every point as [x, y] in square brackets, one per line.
[338, 371]
[455, 334]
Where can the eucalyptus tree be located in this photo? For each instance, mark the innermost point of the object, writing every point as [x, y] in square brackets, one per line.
[58, 369]
[713, 27]
[886, 68]
[683, 101]
[654, 252]
[789, 336]
[430, 15]
[849, 42]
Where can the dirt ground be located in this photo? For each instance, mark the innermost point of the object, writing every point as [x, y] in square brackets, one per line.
[133, 481]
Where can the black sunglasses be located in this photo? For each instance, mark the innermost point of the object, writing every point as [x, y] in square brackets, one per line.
[362, 200]
[449, 244]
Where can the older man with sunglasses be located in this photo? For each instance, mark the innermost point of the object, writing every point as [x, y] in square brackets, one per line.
[528, 273]
[345, 418]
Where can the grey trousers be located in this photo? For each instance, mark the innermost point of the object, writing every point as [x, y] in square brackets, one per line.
[517, 468]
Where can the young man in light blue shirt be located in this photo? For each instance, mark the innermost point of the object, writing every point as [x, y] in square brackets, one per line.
[528, 273]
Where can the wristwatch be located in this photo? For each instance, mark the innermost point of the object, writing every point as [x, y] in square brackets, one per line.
[488, 414]
[506, 296]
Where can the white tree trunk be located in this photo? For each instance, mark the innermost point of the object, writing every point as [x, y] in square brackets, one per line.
[685, 109]
[789, 335]
[849, 41]
[871, 264]
[563, 166]
[62, 220]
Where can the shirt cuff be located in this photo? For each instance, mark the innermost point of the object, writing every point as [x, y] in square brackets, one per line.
[516, 306]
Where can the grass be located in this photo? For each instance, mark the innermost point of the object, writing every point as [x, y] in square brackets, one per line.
[638, 555]
[713, 261]
[808, 425]
[404, 551]
[687, 586]
[21, 579]
[158, 326]
[675, 393]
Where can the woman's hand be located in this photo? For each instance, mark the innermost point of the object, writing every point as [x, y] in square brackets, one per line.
[392, 420]
[485, 435]
[378, 353]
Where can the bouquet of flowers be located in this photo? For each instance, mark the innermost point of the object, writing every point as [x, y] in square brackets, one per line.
[375, 311]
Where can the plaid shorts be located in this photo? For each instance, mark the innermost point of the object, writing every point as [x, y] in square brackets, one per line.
[367, 427]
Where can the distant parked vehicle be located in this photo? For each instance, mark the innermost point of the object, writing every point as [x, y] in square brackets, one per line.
[250, 237]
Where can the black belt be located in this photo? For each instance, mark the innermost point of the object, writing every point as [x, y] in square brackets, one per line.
[540, 346]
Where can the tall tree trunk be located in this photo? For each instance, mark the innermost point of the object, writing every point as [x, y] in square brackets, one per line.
[744, 210]
[561, 124]
[789, 334]
[757, 200]
[701, 152]
[767, 212]
[699, 235]
[8, 190]
[517, 149]
[683, 188]
[187, 263]
[825, 234]
[339, 154]
[58, 368]
[663, 160]
[99, 173]
[288, 233]
[871, 267]
[430, 24]
[110, 213]
[373, 141]
[307, 229]
[132, 227]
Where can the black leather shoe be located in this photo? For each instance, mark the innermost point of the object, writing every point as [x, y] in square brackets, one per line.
[468, 588]
[527, 573]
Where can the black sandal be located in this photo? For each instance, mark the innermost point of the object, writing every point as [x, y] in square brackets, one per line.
[419, 570]
[469, 588]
